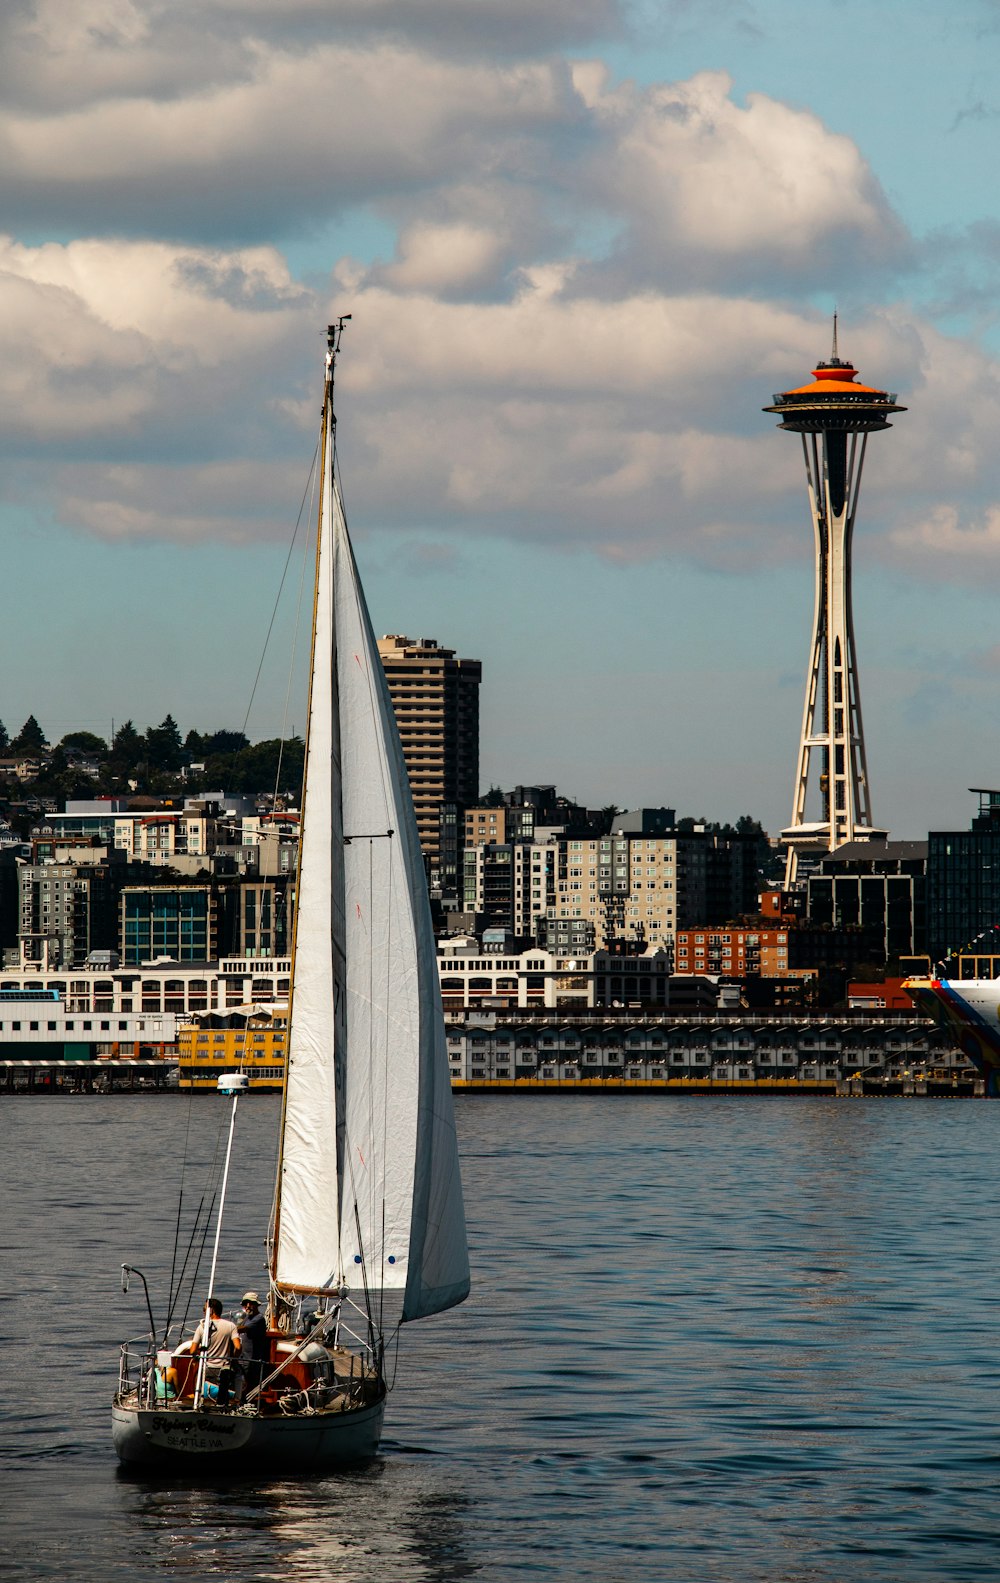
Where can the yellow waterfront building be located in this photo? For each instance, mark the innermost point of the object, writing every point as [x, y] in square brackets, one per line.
[251, 1041]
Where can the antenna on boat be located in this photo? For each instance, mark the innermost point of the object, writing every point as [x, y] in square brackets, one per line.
[128, 1270]
[333, 333]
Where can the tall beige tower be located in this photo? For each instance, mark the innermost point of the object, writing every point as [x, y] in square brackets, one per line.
[436, 699]
[834, 414]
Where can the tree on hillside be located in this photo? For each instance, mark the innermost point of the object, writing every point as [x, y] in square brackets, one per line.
[491, 799]
[224, 742]
[200, 745]
[30, 739]
[256, 768]
[4, 738]
[84, 742]
[60, 780]
[127, 749]
[746, 824]
[164, 750]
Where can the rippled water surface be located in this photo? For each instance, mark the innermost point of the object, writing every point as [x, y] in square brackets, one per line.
[709, 1339]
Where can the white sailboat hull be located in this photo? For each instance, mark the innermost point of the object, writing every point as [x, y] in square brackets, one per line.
[204, 1440]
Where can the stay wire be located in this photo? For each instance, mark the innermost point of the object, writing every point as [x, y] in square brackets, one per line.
[374, 704]
[201, 1254]
[397, 1334]
[175, 1294]
[284, 574]
[213, 1183]
[177, 1225]
[311, 490]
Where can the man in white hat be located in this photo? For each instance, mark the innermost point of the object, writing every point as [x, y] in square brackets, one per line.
[251, 1327]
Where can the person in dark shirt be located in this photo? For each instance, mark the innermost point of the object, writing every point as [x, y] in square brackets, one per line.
[251, 1327]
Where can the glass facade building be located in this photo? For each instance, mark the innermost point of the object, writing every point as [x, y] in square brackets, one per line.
[167, 921]
[963, 881]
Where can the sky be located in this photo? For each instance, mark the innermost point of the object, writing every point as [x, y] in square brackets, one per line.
[582, 242]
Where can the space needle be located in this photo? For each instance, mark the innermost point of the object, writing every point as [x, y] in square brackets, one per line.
[834, 414]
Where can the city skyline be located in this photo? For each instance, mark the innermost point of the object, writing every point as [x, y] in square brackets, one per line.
[582, 248]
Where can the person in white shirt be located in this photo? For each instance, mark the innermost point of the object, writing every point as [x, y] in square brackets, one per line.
[221, 1343]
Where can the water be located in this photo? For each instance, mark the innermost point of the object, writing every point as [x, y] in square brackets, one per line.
[710, 1339]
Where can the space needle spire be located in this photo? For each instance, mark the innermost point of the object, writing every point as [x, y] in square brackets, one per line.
[834, 414]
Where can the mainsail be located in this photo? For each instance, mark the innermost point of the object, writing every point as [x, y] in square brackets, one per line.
[369, 1186]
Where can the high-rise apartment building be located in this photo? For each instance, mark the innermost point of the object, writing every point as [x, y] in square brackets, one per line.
[436, 700]
[68, 910]
[583, 893]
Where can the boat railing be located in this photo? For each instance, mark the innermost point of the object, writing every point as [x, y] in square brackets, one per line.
[137, 1371]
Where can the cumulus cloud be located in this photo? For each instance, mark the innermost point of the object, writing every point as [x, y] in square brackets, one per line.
[235, 501]
[228, 120]
[57, 56]
[958, 549]
[184, 382]
[705, 184]
[501, 373]
[513, 27]
[142, 344]
[446, 257]
[281, 139]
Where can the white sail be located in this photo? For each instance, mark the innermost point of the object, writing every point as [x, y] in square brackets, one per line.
[307, 1232]
[401, 1220]
[402, 1199]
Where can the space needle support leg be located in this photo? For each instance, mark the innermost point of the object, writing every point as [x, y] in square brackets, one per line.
[860, 793]
[815, 669]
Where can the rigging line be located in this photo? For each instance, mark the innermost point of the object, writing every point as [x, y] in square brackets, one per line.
[295, 641]
[397, 1333]
[375, 701]
[373, 1175]
[349, 1147]
[175, 1294]
[364, 1280]
[284, 573]
[177, 1225]
[385, 1065]
[196, 1272]
[213, 1173]
[364, 621]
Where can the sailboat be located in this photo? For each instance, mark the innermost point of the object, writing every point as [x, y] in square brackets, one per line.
[368, 1198]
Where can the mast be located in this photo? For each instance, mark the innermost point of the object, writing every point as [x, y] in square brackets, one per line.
[327, 450]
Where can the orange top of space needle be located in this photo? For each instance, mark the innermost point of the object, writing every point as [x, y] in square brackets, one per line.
[834, 399]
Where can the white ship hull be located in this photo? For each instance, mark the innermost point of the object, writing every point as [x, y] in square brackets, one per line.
[970, 1011]
[156, 1436]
